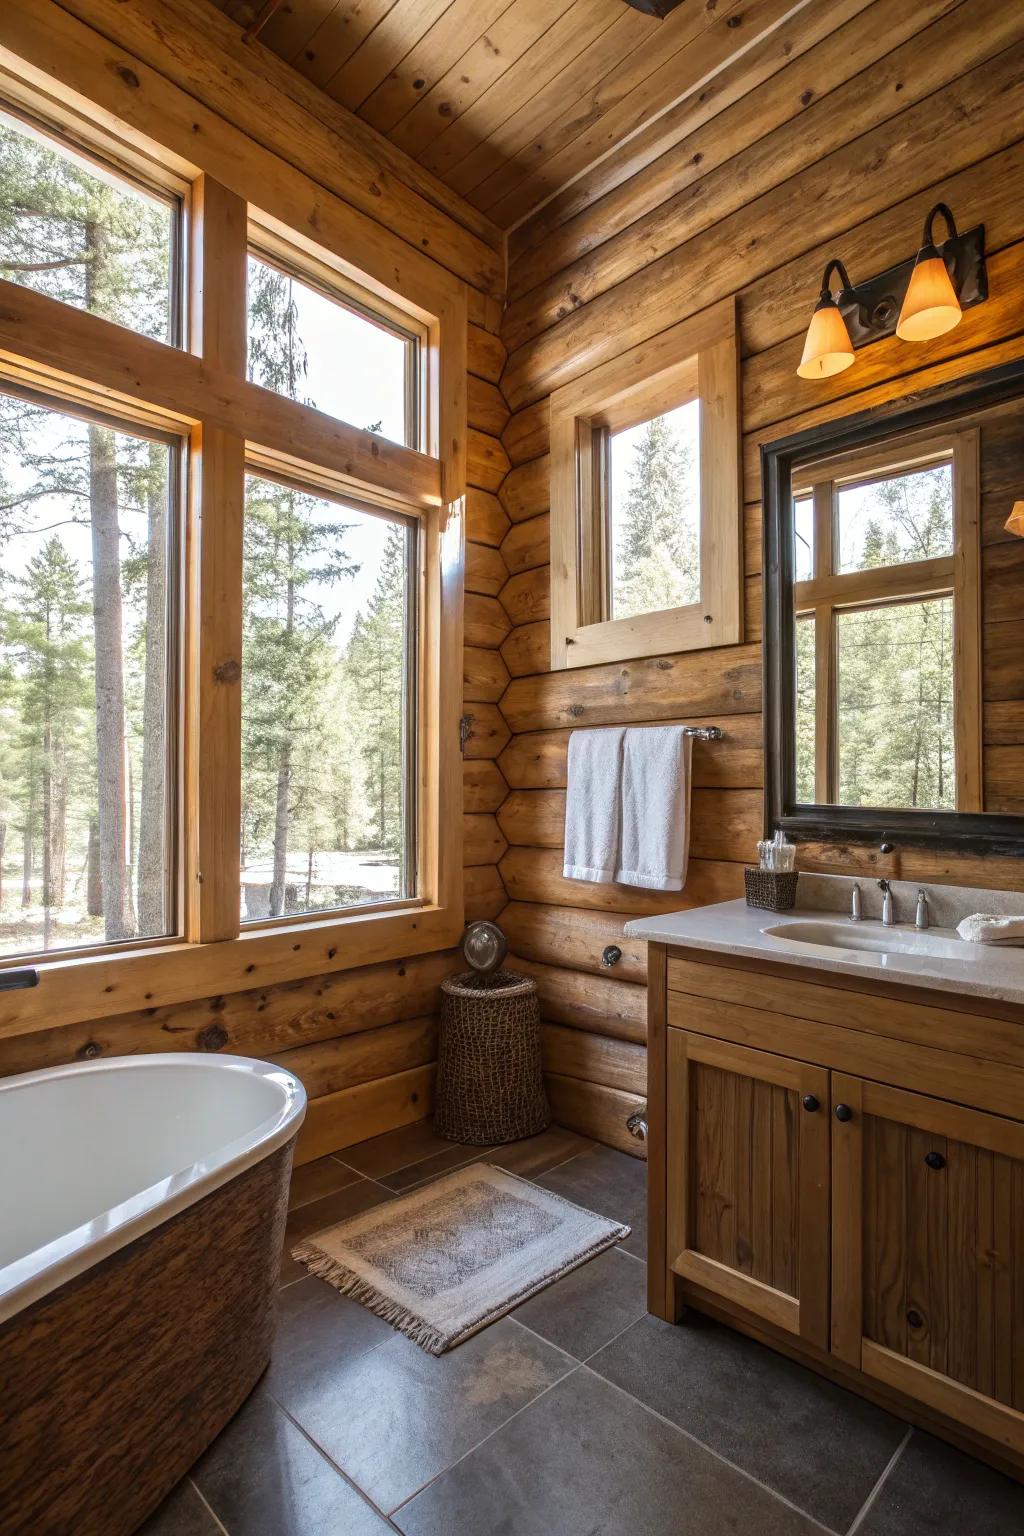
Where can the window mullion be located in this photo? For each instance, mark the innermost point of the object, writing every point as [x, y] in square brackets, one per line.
[213, 785]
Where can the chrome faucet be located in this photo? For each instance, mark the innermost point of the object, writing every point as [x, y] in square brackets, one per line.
[855, 904]
[888, 917]
[921, 915]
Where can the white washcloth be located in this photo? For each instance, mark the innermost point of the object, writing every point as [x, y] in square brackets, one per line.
[987, 928]
[593, 804]
[655, 808]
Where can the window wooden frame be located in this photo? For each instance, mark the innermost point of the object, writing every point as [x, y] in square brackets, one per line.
[201, 392]
[827, 594]
[697, 359]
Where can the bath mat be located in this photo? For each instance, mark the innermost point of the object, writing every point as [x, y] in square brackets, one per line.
[441, 1263]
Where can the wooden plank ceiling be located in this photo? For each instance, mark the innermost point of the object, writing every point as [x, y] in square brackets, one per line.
[507, 101]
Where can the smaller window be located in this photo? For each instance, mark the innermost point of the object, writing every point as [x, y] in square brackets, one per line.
[328, 697]
[803, 538]
[332, 354]
[79, 232]
[646, 516]
[896, 519]
[654, 511]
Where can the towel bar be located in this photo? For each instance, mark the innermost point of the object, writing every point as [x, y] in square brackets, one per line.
[703, 732]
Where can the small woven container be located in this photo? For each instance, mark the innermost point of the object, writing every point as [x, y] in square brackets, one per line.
[770, 890]
[490, 1088]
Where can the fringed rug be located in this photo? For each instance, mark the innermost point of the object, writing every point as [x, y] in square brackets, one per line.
[441, 1263]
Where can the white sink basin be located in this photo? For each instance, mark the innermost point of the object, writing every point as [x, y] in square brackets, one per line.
[870, 936]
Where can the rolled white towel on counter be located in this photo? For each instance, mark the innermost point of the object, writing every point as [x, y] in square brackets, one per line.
[988, 928]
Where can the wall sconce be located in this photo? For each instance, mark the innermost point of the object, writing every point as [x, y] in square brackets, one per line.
[917, 300]
[828, 348]
[1015, 522]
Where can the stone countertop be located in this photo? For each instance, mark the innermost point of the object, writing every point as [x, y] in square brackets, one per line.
[732, 928]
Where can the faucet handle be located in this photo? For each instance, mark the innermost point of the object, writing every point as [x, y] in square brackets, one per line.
[884, 885]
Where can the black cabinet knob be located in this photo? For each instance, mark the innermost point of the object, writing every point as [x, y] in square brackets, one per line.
[935, 1160]
[811, 1103]
[844, 1112]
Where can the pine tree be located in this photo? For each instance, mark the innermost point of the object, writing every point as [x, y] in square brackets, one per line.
[47, 635]
[657, 562]
[375, 665]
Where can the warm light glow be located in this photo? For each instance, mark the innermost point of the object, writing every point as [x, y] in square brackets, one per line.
[931, 307]
[828, 348]
[1015, 522]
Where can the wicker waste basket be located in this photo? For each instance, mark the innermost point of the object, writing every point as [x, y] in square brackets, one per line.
[489, 1083]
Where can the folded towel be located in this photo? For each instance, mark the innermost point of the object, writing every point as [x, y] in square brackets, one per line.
[593, 804]
[655, 808]
[987, 928]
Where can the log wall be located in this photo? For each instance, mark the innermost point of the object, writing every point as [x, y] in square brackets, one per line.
[835, 143]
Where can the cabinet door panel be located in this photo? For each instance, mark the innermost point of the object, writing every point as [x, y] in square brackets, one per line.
[928, 1262]
[748, 1179]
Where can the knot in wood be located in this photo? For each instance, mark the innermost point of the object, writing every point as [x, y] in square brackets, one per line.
[213, 1038]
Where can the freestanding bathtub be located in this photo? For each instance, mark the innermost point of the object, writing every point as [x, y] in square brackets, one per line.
[142, 1209]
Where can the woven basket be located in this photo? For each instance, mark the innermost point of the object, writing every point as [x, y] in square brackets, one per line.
[770, 890]
[490, 1088]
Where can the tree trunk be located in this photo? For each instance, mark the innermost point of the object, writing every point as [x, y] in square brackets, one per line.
[108, 628]
[119, 922]
[94, 876]
[277, 886]
[29, 838]
[152, 816]
[3, 848]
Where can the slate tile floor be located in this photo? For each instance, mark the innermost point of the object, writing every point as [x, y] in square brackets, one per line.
[578, 1415]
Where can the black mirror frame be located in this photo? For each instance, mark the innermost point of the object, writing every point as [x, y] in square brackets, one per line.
[968, 832]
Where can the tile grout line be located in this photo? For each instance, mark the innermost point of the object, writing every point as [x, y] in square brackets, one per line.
[732, 1465]
[204, 1501]
[866, 1507]
[576, 1366]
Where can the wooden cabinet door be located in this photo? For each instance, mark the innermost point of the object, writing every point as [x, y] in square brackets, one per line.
[748, 1179]
[928, 1252]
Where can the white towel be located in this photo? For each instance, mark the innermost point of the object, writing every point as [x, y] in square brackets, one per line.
[987, 928]
[655, 808]
[593, 804]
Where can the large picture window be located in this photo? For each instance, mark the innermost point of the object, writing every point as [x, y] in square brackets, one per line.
[88, 625]
[232, 469]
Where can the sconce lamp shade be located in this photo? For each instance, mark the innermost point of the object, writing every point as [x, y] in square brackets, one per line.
[931, 307]
[1015, 521]
[828, 348]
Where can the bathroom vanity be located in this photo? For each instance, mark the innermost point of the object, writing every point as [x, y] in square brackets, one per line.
[836, 1150]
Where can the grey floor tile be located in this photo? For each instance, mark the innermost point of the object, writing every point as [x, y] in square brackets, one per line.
[314, 1180]
[385, 1154]
[586, 1309]
[261, 1477]
[816, 1444]
[318, 1214]
[537, 1154]
[318, 1332]
[933, 1490]
[430, 1168]
[182, 1513]
[585, 1461]
[394, 1418]
[611, 1183]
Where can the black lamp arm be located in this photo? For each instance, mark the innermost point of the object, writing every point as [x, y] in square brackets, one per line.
[835, 265]
[927, 237]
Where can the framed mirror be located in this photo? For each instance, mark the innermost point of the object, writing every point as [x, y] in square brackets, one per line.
[894, 622]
